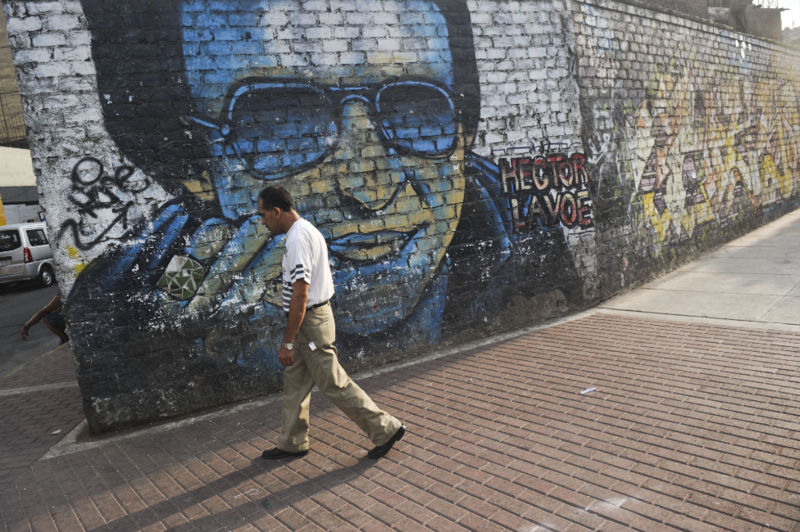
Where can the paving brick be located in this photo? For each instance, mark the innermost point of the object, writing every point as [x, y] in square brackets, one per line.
[478, 524]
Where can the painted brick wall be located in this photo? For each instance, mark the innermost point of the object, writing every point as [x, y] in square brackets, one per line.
[467, 162]
[693, 132]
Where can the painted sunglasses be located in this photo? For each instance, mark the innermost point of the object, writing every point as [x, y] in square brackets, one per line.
[278, 128]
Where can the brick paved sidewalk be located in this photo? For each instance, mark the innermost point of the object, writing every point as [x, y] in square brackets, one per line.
[692, 427]
[37, 400]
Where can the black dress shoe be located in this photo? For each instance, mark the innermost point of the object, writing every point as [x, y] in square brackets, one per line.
[381, 450]
[277, 454]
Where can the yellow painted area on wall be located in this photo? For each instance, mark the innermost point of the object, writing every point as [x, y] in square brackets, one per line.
[697, 214]
[75, 254]
[203, 188]
[705, 143]
[659, 222]
[2, 212]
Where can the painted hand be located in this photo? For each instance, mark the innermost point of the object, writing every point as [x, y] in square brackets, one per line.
[286, 357]
[24, 333]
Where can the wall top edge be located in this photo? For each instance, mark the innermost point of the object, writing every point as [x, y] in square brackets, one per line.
[686, 16]
[599, 3]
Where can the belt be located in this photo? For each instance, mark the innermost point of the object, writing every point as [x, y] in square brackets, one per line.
[312, 307]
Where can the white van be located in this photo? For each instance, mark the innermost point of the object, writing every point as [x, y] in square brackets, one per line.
[25, 254]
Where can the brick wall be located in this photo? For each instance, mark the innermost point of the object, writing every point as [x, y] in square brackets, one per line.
[693, 130]
[467, 162]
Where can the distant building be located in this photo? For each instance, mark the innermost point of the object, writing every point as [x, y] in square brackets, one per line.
[698, 8]
[791, 36]
[744, 15]
[12, 123]
[19, 197]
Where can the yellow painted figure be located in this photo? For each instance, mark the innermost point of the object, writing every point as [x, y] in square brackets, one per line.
[698, 149]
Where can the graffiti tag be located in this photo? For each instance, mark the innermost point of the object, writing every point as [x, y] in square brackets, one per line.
[99, 197]
[551, 188]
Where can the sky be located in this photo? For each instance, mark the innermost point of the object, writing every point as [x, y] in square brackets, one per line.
[793, 13]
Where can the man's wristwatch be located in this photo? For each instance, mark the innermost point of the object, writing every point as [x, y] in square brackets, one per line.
[289, 347]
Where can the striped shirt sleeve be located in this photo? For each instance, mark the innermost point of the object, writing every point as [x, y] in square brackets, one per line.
[299, 262]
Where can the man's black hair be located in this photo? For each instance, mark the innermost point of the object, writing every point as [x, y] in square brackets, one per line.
[137, 48]
[272, 197]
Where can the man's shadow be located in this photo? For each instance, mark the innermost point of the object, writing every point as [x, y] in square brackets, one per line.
[234, 516]
[252, 510]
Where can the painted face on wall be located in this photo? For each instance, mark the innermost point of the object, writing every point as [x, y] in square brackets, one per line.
[364, 135]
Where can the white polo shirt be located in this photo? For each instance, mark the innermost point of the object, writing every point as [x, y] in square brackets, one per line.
[306, 257]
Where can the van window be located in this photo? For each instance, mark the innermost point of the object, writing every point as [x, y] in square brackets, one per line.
[9, 240]
[37, 237]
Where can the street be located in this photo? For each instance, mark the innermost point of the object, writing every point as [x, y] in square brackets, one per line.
[18, 303]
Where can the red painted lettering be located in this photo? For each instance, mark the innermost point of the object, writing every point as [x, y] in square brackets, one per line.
[568, 209]
[540, 179]
[581, 176]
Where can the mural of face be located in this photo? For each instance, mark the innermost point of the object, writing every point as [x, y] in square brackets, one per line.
[370, 145]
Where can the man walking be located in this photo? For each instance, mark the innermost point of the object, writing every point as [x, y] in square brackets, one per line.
[307, 352]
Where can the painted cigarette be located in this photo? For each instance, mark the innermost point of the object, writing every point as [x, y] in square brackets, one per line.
[588, 390]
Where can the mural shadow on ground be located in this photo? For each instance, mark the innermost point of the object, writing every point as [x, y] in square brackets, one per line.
[238, 515]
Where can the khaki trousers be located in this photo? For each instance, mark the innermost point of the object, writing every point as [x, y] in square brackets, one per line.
[321, 367]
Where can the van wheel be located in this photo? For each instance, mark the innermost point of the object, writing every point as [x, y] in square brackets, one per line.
[46, 277]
